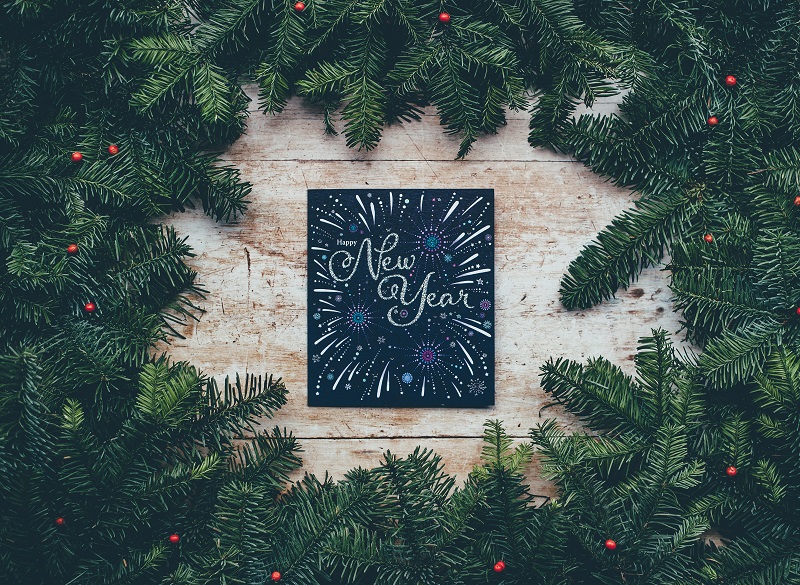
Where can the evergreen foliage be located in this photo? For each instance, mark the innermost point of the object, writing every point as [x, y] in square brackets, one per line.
[692, 178]
[636, 483]
[760, 507]
[107, 447]
[379, 61]
[654, 473]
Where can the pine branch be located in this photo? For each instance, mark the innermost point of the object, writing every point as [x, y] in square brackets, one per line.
[313, 515]
[634, 240]
[287, 41]
[237, 408]
[600, 393]
[783, 169]
[168, 395]
[736, 356]
[268, 459]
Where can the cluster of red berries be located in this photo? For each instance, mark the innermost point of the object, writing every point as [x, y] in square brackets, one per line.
[730, 81]
[175, 539]
[77, 156]
[89, 307]
[72, 249]
[444, 17]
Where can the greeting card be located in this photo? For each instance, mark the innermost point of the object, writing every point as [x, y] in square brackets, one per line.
[401, 297]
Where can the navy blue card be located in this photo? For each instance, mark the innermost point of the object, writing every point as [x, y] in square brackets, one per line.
[401, 297]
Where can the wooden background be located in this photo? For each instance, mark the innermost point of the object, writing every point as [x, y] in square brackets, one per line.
[547, 207]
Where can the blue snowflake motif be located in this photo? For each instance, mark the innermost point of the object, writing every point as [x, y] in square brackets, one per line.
[487, 324]
[338, 298]
[358, 319]
[353, 228]
[329, 376]
[432, 242]
[407, 377]
[448, 257]
[317, 316]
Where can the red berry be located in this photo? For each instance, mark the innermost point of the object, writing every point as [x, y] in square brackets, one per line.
[797, 310]
[611, 544]
[113, 149]
[90, 307]
[72, 249]
[174, 538]
[76, 156]
[299, 6]
[797, 200]
[444, 17]
[730, 81]
[60, 521]
[712, 121]
[731, 471]
[499, 567]
[276, 576]
[708, 238]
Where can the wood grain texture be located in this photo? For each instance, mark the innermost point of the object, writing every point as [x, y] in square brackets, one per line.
[547, 207]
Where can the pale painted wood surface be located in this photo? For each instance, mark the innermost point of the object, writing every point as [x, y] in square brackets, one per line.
[547, 207]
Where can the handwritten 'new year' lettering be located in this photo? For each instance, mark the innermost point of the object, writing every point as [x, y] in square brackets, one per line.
[343, 266]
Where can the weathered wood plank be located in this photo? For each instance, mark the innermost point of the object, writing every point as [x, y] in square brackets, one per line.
[547, 208]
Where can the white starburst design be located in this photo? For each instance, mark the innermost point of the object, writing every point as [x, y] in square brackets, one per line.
[476, 387]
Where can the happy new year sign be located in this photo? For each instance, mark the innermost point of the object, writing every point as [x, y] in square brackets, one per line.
[401, 297]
